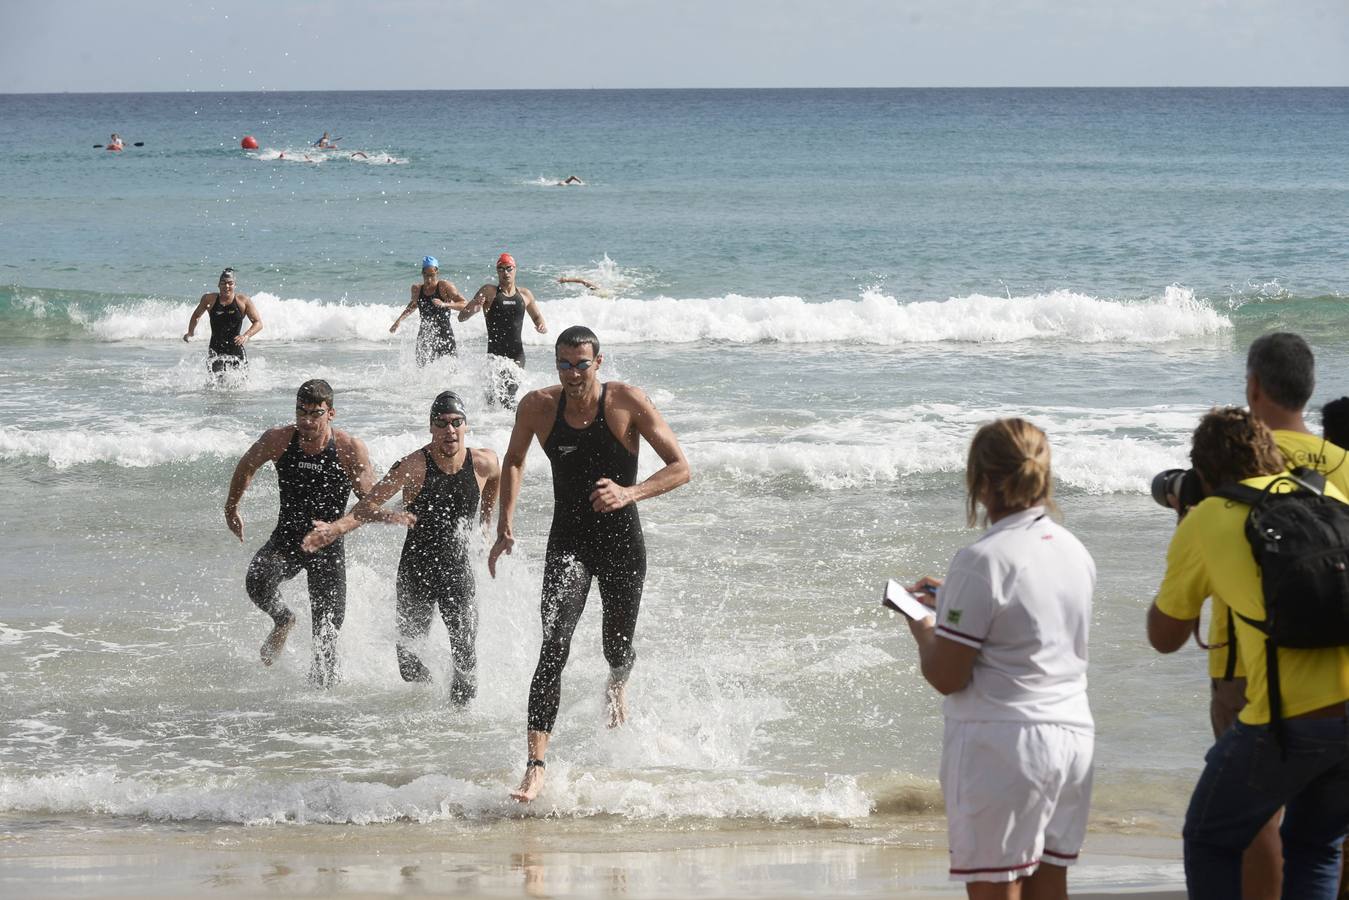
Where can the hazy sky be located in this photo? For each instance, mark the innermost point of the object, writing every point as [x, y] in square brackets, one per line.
[155, 45]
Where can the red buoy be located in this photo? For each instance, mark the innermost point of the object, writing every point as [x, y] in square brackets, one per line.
[249, 142]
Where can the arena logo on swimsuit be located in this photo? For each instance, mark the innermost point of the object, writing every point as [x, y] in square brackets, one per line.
[310, 465]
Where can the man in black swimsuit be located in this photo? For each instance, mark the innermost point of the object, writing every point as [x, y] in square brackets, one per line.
[441, 484]
[227, 310]
[591, 432]
[504, 305]
[317, 466]
[433, 299]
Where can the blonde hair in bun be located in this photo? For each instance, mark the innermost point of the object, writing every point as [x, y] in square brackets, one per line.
[1008, 468]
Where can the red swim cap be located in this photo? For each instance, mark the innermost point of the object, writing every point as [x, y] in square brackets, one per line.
[505, 259]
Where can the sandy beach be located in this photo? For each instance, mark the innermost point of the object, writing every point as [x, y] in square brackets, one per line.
[533, 858]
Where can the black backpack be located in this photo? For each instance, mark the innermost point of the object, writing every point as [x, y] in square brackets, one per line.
[1300, 540]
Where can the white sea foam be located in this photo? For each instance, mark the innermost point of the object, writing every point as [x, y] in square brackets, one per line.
[315, 156]
[1087, 456]
[133, 448]
[571, 794]
[874, 319]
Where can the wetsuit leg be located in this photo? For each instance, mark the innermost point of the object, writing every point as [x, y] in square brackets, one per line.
[459, 610]
[328, 603]
[620, 583]
[416, 597]
[566, 582]
[271, 565]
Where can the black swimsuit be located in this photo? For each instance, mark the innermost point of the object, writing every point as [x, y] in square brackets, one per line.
[505, 318]
[435, 335]
[312, 487]
[227, 321]
[435, 570]
[584, 544]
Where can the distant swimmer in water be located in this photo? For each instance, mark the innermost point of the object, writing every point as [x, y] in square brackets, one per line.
[434, 300]
[591, 432]
[443, 484]
[115, 142]
[227, 310]
[359, 154]
[324, 143]
[504, 305]
[571, 179]
[317, 466]
[588, 285]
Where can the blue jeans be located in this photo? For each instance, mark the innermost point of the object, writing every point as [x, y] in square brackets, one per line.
[1246, 779]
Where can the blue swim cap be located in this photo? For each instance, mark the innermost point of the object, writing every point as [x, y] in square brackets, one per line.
[430, 262]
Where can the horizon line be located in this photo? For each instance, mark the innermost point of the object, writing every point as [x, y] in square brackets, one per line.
[524, 90]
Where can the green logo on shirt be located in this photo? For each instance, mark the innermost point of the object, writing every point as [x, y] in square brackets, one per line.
[953, 616]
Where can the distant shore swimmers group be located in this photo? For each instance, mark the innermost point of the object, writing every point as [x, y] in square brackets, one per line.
[589, 430]
[504, 306]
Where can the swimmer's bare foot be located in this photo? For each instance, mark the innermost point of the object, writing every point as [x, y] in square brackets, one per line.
[616, 703]
[271, 648]
[531, 784]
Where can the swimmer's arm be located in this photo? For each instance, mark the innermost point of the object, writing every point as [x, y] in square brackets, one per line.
[456, 300]
[947, 665]
[532, 308]
[369, 509]
[589, 285]
[481, 300]
[202, 305]
[251, 312]
[655, 431]
[407, 311]
[265, 449]
[355, 460]
[489, 470]
[530, 418]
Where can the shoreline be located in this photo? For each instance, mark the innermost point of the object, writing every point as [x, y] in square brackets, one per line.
[102, 858]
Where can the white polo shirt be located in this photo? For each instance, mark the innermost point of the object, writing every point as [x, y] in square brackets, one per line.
[1021, 596]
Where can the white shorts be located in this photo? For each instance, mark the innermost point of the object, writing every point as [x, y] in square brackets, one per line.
[1016, 793]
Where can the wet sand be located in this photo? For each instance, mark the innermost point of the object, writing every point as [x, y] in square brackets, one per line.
[533, 858]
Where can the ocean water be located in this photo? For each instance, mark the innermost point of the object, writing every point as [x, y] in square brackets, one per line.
[824, 292]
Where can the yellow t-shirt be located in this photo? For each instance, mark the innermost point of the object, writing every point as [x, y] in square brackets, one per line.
[1209, 556]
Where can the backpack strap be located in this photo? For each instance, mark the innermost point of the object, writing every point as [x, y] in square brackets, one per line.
[1230, 671]
[1241, 493]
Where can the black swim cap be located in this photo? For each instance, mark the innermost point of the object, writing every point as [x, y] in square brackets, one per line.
[448, 402]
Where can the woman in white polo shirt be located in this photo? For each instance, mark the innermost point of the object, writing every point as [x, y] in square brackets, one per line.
[1008, 648]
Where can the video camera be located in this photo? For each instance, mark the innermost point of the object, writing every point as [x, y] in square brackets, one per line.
[1182, 485]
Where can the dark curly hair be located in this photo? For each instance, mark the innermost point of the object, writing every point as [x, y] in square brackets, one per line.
[1231, 444]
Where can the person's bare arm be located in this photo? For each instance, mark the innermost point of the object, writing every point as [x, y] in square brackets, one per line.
[488, 470]
[534, 409]
[202, 305]
[370, 508]
[251, 312]
[1167, 635]
[532, 308]
[265, 449]
[407, 310]
[355, 461]
[649, 424]
[448, 297]
[481, 300]
[947, 665]
[588, 285]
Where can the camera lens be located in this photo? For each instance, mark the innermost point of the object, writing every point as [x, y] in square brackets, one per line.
[1165, 485]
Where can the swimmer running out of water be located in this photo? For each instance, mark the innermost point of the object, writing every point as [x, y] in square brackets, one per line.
[442, 484]
[227, 310]
[590, 432]
[433, 299]
[317, 466]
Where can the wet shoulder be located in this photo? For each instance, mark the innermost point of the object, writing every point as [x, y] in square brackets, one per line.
[485, 462]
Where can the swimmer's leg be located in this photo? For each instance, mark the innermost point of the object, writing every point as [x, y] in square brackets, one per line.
[566, 582]
[459, 610]
[416, 597]
[271, 566]
[621, 600]
[328, 601]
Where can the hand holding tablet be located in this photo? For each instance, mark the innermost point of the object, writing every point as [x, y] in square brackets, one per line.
[901, 601]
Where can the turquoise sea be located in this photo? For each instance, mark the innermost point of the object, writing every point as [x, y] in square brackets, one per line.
[824, 291]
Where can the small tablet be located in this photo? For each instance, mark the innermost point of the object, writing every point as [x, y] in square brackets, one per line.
[901, 601]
